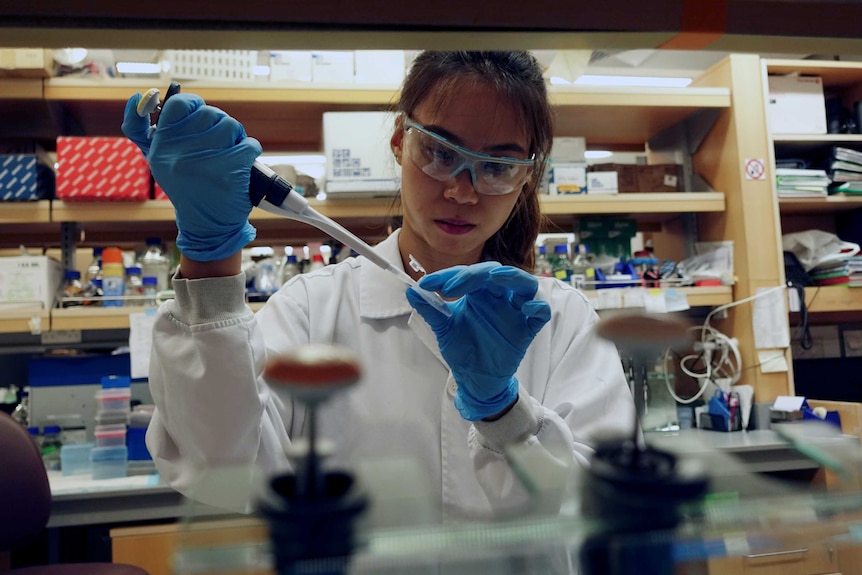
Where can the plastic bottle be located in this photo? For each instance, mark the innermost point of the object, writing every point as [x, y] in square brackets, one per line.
[543, 265]
[155, 263]
[72, 288]
[51, 445]
[290, 268]
[134, 285]
[21, 413]
[316, 263]
[150, 290]
[113, 277]
[562, 267]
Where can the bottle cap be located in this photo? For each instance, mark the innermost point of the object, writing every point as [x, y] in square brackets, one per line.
[98, 251]
[561, 249]
[153, 241]
[113, 381]
[292, 258]
[52, 429]
[33, 430]
[317, 258]
[133, 270]
[72, 275]
[150, 281]
[112, 256]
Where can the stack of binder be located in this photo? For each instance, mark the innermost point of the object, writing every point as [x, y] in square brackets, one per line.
[844, 167]
[802, 183]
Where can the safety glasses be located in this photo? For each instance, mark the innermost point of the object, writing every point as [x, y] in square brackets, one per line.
[443, 160]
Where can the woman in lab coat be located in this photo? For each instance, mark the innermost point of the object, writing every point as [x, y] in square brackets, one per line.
[515, 365]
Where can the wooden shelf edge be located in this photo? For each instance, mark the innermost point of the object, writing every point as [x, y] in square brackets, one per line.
[822, 299]
[20, 321]
[38, 212]
[835, 203]
[647, 203]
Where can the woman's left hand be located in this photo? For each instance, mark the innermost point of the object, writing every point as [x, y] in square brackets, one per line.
[488, 333]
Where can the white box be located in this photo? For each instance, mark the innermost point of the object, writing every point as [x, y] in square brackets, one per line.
[567, 178]
[568, 150]
[290, 65]
[359, 160]
[379, 66]
[796, 105]
[332, 67]
[602, 183]
[29, 282]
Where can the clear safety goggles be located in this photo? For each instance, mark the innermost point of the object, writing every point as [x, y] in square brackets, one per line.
[443, 160]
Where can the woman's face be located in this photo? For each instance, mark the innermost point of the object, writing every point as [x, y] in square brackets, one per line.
[447, 223]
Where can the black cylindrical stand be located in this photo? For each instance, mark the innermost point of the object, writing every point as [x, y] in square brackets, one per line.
[636, 496]
[313, 534]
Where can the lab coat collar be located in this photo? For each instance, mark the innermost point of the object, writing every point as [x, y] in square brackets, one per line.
[381, 294]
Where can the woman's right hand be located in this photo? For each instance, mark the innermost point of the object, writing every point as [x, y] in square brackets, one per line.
[202, 159]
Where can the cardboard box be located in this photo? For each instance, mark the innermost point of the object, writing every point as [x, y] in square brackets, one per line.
[659, 178]
[379, 66]
[796, 105]
[599, 183]
[567, 178]
[101, 168]
[25, 177]
[627, 176]
[290, 65]
[26, 63]
[358, 158]
[29, 282]
[332, 67]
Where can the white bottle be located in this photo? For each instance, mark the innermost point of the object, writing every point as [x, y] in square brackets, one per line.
[543, 265]
[154, 263]
[289, 268]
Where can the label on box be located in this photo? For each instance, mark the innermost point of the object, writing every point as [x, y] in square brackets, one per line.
[602, 183]
[101, 168]
[796, 105]
[568, 178]
[29, 282]
[332, 66]
[358, 157]
[290, 65]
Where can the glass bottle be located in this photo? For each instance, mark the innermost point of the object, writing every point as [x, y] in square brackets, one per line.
[290, 268]
[150, 286]
[72, 288]
[155, 263]
[134, 285]
[543, 265]
[21, 413]
[561, 265]
[581, 266]
[94, 270]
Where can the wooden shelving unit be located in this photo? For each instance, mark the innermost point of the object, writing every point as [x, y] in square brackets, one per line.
[24, 321]
[826, 299]
[829, 204]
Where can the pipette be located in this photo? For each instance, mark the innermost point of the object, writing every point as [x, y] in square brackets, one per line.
[272, 193]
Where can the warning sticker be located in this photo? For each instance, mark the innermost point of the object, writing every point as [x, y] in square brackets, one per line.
[755, 169]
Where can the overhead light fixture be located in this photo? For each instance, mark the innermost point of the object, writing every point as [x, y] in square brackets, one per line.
[632, 81]
[138, 68]
[597, 154]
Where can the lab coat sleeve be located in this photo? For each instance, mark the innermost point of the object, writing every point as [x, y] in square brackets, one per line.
[573, 393]
[212, 411]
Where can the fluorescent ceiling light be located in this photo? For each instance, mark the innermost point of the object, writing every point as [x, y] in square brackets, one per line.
[632, 81]
[597, 154]
[138, 68]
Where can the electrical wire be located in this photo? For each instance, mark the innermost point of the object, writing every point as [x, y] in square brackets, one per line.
[726, 365]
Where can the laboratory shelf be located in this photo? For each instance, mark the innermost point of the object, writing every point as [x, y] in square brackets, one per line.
[163, 211]
[92, 317]
[824, 299]
[829, 204]
[25, 212]
[23, 321]
[287, 115]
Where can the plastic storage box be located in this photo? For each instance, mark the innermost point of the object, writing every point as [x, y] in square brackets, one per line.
[114, 399]
[109, 462]
[110, 435]
[75, 458]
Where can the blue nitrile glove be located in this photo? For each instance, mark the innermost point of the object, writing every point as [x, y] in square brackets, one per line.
[488, 333]
[202, 158]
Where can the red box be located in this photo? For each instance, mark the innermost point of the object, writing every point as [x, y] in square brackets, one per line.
[101, 168]
[158, 192]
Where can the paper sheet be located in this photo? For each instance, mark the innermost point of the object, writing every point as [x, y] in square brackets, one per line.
[141, 342]
[769, 320]
[772, 361]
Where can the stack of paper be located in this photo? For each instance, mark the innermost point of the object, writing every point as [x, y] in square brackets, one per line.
[801, 183]
[844, 167]
[855, 267]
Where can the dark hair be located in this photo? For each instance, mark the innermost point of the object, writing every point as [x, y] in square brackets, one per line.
[518, 77]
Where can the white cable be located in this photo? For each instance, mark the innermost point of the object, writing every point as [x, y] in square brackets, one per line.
[729, 361]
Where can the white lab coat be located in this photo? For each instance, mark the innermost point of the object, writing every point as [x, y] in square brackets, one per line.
[213, 409]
